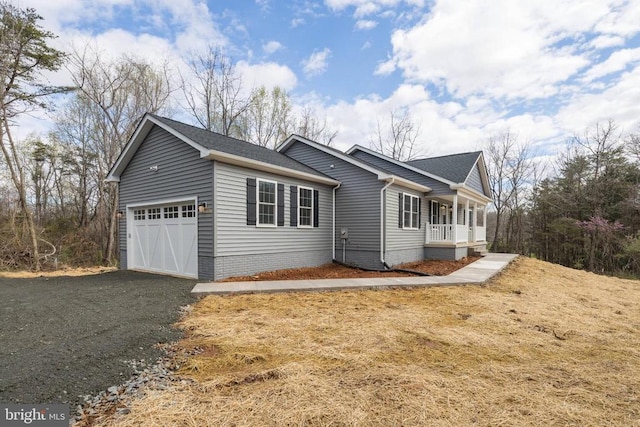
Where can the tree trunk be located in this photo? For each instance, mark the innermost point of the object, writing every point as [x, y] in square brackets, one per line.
[113, 229]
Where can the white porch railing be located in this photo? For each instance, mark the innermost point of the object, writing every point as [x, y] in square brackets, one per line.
[438, 233]
[443, 233]
[462, 233]
[481, 234]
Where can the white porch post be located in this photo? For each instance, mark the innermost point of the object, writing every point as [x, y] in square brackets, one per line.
[484, 216]
[454, 226]
[466, 218]
[475, 221]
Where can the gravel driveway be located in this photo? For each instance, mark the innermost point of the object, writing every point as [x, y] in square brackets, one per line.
[64, 337]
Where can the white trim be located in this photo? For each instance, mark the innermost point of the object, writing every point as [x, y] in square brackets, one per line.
[332, 152]
[275, 203]
[483, 173]
[405, 183]
[141, 132]
[412, 196]
[234, 159]
[399, 163]
[147, 123]
[471, 193]
[301, 187]
[160, 202]
[129, 208]
[382, 221]
[333, 213]
[382, 176]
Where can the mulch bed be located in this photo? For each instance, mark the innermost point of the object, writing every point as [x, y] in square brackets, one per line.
[337, 271]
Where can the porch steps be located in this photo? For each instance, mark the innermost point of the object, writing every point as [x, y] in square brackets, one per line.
[477, 251]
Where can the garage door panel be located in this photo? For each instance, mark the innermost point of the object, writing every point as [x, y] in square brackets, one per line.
[140, 244]
[164, 239]
[172, 239]
[190, 254]
[154, 247]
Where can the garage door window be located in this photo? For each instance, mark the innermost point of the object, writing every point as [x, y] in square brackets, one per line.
[171, 212]
[189, 211]
[138, 215]
[154, 213]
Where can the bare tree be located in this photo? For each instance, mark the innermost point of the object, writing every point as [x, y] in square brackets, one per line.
[397, 138]
[24, 56]
[510, 166]
[213, 91]
[263, 123]
[309, 125]
[117, 93]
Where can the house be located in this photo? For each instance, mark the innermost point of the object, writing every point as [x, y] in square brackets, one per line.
[198, 204]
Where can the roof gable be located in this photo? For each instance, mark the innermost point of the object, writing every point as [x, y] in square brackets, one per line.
[454, 167]
[382, 174]
[453, 170]
[215, 147]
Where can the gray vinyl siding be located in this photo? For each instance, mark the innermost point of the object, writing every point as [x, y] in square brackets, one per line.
[400, 238]
[437, 187]
[249, 249]
[181, 173]
[357, 204]
[474, 181]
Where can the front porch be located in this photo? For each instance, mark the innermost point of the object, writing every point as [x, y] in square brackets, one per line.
[456, 222]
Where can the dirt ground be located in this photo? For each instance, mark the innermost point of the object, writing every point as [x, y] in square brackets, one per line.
[337, 271]
[539, 345]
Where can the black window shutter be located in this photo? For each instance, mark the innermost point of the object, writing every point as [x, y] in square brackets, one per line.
[419, 212]
[400, 209]
[280, 205]
[251, 201]
[293, 208]
[316, 208]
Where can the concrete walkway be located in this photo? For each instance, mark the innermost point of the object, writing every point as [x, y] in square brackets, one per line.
[475, 273]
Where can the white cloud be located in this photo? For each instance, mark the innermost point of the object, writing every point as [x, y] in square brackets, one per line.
[500, 48]
[271, 47]
[316, 64]
[619, 60]
[364, 24]
[605, 41]
[620, 102]
[268, 74]
[296, 22]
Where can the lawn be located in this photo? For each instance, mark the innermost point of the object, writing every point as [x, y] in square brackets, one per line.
[540, 345]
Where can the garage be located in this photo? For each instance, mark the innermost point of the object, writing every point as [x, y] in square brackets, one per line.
[163, 238]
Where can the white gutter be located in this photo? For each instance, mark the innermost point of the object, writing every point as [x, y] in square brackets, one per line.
[234, 159]
[334, 220]
[472, 193]
[382, 218]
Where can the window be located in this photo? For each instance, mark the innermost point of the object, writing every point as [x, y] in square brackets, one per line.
[305, 207]
[410, 211]
[189, 211]
[266, 202]
[171, 212]
[138, 214]
[154, 213]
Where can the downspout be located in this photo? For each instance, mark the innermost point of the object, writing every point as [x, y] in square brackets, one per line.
[382, 218]
[334, 221]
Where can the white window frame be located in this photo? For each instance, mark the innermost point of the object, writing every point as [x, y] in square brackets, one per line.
[411, 212]
[300, 207]
[275, 203]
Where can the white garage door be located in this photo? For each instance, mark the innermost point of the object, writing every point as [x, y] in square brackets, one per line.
[164, 239]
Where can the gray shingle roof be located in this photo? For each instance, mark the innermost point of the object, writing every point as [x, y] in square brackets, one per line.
[229, 145]
[454, 167]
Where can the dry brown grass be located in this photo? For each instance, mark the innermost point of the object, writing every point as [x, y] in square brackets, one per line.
[541, 345]
[67, 271]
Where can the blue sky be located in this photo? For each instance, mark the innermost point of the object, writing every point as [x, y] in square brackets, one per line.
[465, 69]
